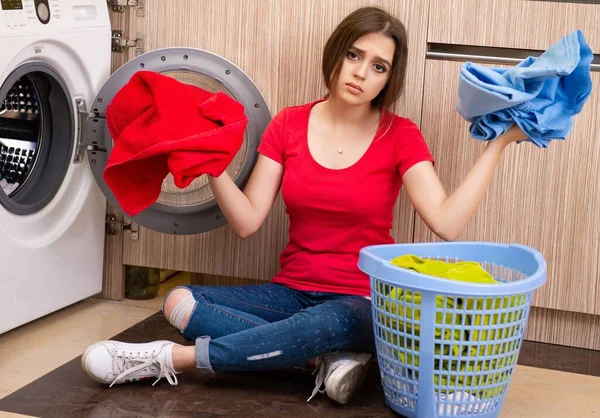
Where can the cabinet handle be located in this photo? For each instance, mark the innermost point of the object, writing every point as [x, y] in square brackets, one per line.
[487, 55]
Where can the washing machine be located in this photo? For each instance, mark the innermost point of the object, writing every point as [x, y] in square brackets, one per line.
[55, 86]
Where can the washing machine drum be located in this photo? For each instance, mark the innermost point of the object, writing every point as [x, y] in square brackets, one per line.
[191, 210]
[36, 144]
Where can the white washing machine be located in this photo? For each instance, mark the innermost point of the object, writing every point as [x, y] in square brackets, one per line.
[55, 84]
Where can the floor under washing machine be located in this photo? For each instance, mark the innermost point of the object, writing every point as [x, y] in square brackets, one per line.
[55, 85]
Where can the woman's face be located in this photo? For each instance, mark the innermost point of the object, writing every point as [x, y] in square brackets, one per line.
[366, 69]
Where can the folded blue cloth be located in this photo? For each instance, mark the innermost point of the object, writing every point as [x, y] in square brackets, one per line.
[541, 95]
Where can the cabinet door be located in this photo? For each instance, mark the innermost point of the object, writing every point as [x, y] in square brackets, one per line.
[278, 43]
[523, 24]
[114, 271]
[548, 199]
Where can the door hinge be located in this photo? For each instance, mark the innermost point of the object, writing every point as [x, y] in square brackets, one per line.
[120, 5]
[119, 42]
[83, 117]
[112, 225]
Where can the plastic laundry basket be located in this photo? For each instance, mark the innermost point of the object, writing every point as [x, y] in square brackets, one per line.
[448, 348]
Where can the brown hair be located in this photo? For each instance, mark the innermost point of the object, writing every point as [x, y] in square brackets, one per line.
[357, 24]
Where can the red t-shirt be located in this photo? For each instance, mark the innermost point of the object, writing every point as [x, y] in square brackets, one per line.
[334, 213]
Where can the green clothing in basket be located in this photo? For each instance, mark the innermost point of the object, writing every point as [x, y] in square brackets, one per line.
[454, 331]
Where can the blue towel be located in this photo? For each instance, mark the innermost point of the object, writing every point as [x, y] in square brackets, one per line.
[541, 95]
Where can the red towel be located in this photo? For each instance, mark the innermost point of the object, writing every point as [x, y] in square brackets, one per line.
[160, 125]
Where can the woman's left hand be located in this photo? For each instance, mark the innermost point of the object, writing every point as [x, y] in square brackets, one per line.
[514, 134]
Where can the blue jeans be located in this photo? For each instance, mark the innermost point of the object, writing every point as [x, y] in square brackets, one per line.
[269, 327]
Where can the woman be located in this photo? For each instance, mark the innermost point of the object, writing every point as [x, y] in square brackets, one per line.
[340, 163]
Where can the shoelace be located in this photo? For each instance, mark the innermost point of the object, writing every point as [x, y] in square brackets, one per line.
[124, 363]
[321, 366]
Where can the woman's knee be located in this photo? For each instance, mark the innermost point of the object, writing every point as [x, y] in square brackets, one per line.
[351, 316]
[178, 307]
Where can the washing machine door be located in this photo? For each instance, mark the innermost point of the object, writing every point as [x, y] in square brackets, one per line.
[191, 210]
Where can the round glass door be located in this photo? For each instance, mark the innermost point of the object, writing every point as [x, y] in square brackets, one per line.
[191, 210]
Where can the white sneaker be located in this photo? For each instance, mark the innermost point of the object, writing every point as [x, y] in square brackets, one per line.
[116, 362]
[342, 374]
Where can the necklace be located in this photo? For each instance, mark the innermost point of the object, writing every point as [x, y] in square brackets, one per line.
[341, 151]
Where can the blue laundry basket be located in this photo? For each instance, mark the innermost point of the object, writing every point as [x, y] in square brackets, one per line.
[448, 348]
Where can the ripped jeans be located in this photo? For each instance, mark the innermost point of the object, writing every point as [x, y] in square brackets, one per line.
[269, 327]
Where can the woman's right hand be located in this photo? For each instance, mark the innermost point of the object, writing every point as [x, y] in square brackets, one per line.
[246, 211]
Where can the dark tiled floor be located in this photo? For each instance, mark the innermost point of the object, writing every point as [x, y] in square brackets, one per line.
[67, 392]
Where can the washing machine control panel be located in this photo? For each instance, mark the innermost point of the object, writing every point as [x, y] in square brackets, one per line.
[50, 17]
[15, 14]
[13, 11]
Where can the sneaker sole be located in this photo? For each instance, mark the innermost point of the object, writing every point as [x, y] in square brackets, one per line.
[86, 353]
[348, 379]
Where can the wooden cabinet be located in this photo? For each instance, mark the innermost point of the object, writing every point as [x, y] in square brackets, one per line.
[545, 198]
[524, 24]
